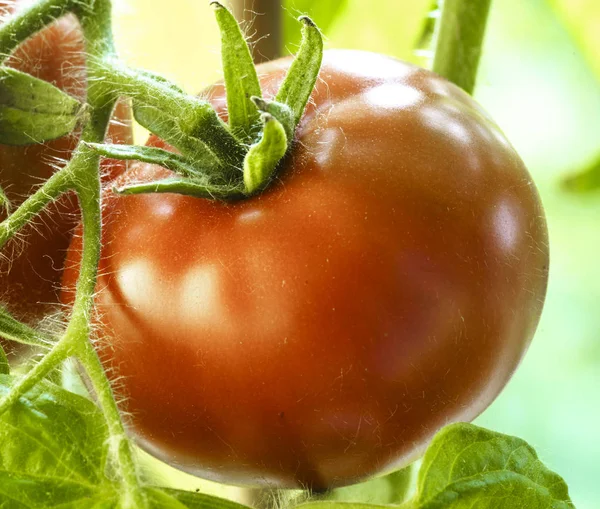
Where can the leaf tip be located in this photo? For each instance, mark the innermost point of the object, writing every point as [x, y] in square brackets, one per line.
[307, 21]
[260, 103]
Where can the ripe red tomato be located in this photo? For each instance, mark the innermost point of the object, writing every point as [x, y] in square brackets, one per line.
[31, 267]
[387, 284]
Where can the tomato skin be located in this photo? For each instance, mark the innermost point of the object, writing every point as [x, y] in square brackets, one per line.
[31, 267]
[318, 334]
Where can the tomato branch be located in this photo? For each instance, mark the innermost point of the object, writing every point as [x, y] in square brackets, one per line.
[61, 351]
[29, 21]
[56, 185]
[459, 41]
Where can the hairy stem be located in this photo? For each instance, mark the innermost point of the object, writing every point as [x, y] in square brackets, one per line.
[195, 117]
[460, 38]
[29, 21]
[121, 448]
[56, 185]
[60, 352]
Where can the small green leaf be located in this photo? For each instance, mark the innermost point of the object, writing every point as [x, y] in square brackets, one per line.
[281, 112]
[12, 329]
[4, 366]
[584, 181]
[263, 157]
[182, 185]
[152, 155]
[53, 450]
[33, 110]
[167, 128]
[176, 499]
[241, 80]
[302, 74]
[467, 466]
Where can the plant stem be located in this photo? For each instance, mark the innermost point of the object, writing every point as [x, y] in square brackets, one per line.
[29, 21]
[59, 183]
[459, 41]
[59, 353]
[195, 117]
[120, 445]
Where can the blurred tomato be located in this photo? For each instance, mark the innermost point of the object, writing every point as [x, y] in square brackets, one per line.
[31, 265]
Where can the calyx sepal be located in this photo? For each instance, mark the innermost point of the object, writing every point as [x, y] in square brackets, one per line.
[221, 160]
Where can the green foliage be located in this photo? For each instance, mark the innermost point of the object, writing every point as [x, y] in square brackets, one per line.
[241, 80]
[54, 453]
[33, 110]
[584, 181]
[53, 449]
[467, 466]
[13, 330]
[55, 444]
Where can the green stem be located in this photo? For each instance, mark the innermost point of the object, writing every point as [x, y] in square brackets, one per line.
[459, 41]
[121, 447]
[13, 330]
[60, 352]
[59, 183]
[195, 117]
[29, 21]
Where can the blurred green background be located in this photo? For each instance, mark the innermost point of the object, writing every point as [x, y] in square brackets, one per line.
[540, 80]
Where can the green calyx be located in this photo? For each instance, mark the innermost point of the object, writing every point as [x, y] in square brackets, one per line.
[221, 160]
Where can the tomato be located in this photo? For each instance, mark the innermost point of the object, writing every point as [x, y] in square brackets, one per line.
[31, 267]
[388, 283]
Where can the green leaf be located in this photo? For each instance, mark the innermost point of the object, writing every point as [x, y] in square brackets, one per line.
[182, 185]
[302, 74]
[13, 330]
[33, 110]
[263, 157]
[241, 80]
[53, 450]
[152, 155]
[467, 466]
[176, 499]
[323, 12]
[167, 128]
[281, 112]
[584, 181]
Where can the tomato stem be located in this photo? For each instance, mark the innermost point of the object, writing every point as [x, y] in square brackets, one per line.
[29, 21]
[459, 41]
[120, 447]
[60, 352]
[56, 185]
